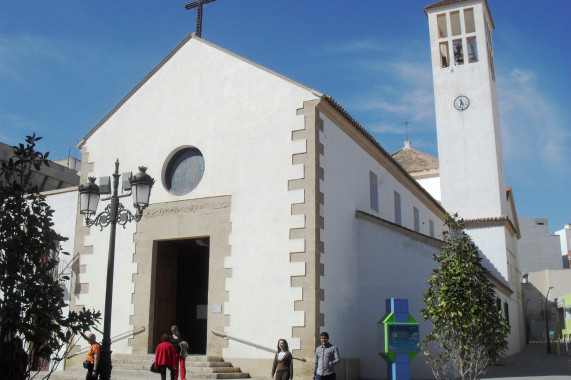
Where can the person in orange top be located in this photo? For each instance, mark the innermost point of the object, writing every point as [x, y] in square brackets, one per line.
[93, 356]
[165, 357]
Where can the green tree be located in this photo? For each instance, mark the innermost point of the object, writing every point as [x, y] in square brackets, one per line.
[469, 334]
[33, 326]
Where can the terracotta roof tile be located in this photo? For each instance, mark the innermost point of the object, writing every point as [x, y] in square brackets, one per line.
[414, 161]
[443, 3]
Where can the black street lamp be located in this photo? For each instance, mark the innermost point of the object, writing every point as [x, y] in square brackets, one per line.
[140, 185]
[547, 322]
[526, 322]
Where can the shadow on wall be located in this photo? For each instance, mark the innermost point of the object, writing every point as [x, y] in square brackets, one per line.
[534, 311]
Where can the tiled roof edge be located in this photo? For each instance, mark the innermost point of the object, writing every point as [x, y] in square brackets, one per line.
[503, 218]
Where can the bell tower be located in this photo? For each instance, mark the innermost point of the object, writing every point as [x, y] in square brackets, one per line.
[472, 179]
[467, 115]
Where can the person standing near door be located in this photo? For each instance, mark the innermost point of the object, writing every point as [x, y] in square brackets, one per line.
[165, 357]
[180, 359]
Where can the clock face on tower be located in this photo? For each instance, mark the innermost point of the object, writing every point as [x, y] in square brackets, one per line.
[461, 103]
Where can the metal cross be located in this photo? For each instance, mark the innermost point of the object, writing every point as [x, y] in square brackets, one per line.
[406, 124]
[198, 4]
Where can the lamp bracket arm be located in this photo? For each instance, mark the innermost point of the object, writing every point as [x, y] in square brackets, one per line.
[118, 196]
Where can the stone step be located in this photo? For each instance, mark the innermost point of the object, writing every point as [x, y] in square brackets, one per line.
[145, 357]
[212, 369]
[146, 366]
[136, 366]
[202, 375]
[126, 375]
[119, 374]
[208, 364]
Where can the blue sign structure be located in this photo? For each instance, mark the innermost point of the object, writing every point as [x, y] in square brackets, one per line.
[398, 339]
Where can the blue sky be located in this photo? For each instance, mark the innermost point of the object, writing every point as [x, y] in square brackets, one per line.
[65, 64]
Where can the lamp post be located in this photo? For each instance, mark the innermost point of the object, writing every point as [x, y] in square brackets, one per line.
[547, 323]
[140, 188]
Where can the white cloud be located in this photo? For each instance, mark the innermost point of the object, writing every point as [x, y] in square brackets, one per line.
[413, 73]
[367, 44]
[534, 125]
[522, 76]
[17, 48]
[387, 128]
[13, 128]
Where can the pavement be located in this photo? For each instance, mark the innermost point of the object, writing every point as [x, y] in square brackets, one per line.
[533, 362]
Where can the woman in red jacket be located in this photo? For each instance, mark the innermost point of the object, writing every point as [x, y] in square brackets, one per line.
[165, 357]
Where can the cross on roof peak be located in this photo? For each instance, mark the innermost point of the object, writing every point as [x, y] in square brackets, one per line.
[198, 5]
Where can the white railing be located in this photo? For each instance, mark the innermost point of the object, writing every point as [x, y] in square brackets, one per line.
[272, 350]
[116, 338]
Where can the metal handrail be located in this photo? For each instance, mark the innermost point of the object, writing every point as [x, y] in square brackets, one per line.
[73, 260]
[272, 350]
[116, 338]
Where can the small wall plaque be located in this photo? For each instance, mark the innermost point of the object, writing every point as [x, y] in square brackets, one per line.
[216, 308]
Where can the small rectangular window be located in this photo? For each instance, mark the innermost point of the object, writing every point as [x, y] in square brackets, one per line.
[472, 49]
[416, 215]
[444, 60]
[469, 20]
[431, 227]
[397, 209]
[374, 191]
[458, 52]
[491, 64]
[498, 304]
[455, 23]
[441, 21]
[507, 312]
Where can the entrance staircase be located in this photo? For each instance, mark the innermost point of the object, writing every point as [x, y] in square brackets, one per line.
[136, 366]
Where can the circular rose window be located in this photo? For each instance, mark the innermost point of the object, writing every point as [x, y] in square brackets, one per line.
[184, 171]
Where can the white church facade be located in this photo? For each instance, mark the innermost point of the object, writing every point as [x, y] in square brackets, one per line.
[275, 214]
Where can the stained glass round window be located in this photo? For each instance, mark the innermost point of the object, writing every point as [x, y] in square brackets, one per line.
[184, 171]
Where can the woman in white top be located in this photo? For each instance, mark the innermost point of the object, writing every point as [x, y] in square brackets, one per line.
[283, 362]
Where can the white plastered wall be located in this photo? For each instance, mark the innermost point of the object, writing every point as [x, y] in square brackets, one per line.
[432, 185]
[64, 203]
[500, 250]
[241, 118]
[349, 246]
[565, 239]
[391, 265]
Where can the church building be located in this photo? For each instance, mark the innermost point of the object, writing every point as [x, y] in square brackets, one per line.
[275, 214]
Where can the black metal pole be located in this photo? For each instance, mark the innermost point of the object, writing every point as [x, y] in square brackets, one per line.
[199, 21]
[105, 361]
[547, 324]
[526, 323]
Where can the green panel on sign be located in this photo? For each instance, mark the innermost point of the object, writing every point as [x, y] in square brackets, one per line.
[390, 318]
[388, 356]
[387, 318]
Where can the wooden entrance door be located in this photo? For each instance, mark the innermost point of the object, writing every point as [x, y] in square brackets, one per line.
[181, 295]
